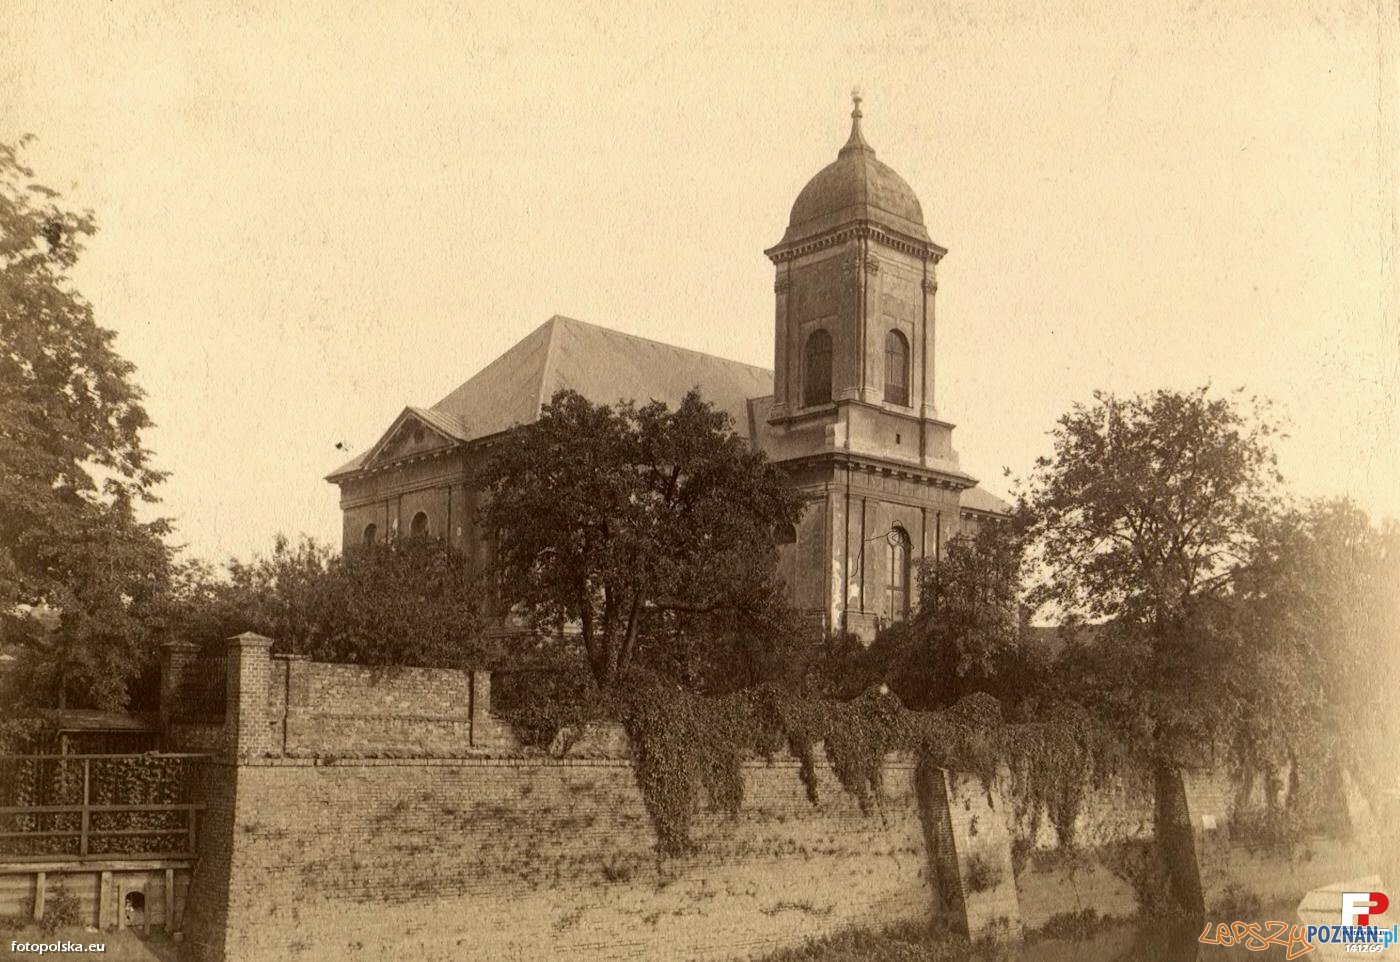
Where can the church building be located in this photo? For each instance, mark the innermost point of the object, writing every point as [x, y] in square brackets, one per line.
[848, 408]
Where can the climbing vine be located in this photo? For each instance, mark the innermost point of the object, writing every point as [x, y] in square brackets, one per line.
[685, 745]
[127, 780]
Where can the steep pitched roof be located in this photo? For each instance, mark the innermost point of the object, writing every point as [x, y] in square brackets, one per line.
[603, 365]
[980, 499]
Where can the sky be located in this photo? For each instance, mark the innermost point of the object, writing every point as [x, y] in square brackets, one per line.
[311, 217]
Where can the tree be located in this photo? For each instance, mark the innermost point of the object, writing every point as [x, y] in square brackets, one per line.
[408, 602]
[1144, 521]
[1320, 603]
[72, 466]
[966, 635]
[623, 519]
[1144, 518]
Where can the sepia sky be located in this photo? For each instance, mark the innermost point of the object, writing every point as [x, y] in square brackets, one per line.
[311, 219]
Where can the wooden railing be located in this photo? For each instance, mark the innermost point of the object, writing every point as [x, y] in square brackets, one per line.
[56, 825]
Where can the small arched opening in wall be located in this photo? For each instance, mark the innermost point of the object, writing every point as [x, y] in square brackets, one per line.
[134, 909]
[418, 528]
[371, 534]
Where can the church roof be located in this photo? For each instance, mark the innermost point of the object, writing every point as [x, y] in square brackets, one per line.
[980, 499]
[855, 187]
[603, 365]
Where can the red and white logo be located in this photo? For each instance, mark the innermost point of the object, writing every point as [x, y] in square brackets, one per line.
[1358, 907]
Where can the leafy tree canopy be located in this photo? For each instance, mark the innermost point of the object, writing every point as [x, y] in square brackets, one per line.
[1320, 607]
[1150, 502]
[967, 633]
[72, 465]
[409, 602]
[631, 522]
[1144, 519]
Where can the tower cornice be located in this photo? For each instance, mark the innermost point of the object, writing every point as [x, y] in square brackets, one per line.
[867, 230]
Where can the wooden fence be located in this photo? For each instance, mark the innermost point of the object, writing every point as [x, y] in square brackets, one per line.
[98, 807]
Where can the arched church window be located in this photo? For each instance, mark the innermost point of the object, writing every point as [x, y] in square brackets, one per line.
[371, 534]
[419, 527]
[816, 369]
[897, 574]
[896, 368]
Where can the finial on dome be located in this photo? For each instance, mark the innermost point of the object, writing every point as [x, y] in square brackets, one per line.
[856, 142]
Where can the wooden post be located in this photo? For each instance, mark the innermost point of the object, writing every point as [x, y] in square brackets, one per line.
[40, 890]
[104, 901]
[121, 906]
[146, 908]
[87, 782]
[170, 898]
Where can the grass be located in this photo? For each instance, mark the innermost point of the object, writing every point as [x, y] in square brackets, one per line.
[1078, 926]
[903, 942]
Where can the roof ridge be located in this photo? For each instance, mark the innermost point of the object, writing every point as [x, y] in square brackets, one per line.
[547, 368]
[652, 340]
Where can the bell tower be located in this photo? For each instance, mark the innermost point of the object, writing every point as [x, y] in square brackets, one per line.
[854, 322]
[853, 414]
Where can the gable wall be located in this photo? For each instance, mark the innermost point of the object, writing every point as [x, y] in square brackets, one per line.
[390, 498]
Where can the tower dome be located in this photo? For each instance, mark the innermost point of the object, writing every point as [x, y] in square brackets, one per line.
[855, 187]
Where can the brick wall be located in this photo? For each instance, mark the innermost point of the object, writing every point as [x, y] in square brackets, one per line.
[1108, 813]
[1046, 890]
[286, 705]
[206, 910]
[537, 858]
[352, 710]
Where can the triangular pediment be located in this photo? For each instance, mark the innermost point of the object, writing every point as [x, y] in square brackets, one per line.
[414, 432]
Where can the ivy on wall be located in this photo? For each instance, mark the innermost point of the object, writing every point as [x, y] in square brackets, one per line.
[153, 780]
[685, 745]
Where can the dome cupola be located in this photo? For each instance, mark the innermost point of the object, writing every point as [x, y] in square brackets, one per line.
[855, 188]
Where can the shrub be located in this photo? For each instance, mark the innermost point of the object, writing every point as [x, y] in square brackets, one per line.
[982, 874]
[61, 908]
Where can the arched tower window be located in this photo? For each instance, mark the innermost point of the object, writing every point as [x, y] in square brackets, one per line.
[371, 534]
[816, 369]
[896, 368]
[897, 573]
[419, 526]
[785, 534]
